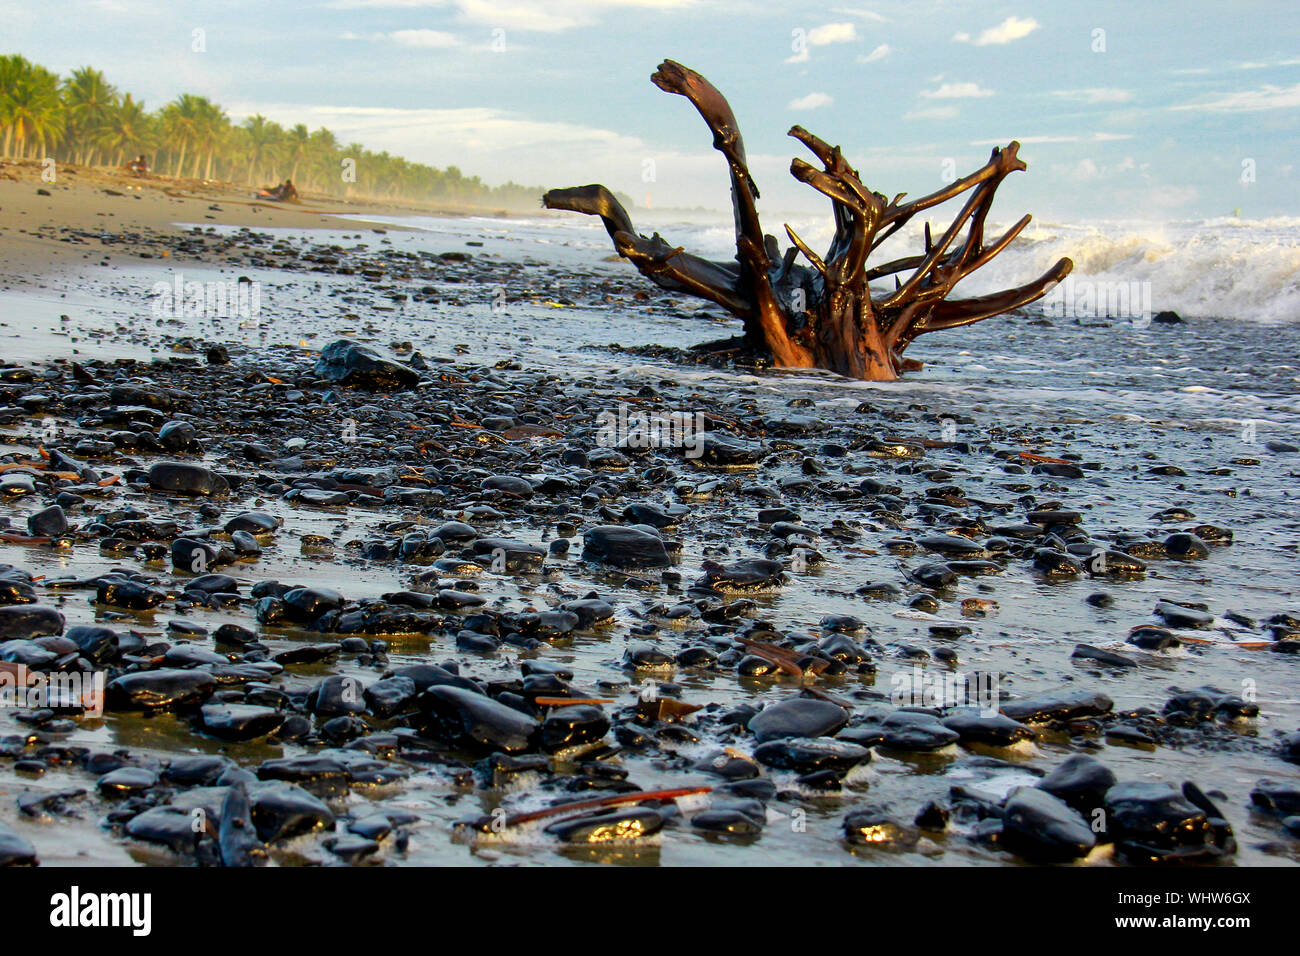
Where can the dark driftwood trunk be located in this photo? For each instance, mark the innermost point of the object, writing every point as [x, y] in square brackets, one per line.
[823, 315]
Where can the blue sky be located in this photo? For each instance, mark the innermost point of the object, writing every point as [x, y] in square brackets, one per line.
[1125, 110]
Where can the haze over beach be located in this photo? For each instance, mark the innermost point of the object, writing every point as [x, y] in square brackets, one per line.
[429, 437]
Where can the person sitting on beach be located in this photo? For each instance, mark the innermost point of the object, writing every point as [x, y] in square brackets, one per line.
[287, 191]
[138, 166]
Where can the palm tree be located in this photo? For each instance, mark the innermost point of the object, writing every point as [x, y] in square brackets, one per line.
[296, 142]
[211, 127]
[88, 102]
[181, 120]
[32, 108]
[260, 138]
[127, 130]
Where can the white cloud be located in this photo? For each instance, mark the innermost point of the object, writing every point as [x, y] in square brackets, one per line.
[811, 102]
[956, 91]
[879, 53]
[933, 113]
[1012, 28]
[1029, 140]
[1096, 94]
[1250, 101]
[823, 35]
[424, 39]
[861, 13]
[553, 16]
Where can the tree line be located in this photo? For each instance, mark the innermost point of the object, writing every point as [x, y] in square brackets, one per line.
[84, 119]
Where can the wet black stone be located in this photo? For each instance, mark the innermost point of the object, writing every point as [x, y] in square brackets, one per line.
[15, 849]
[807, 755]
[917, 732]
[1087, 652]
[873, 827]
[159, 689]
[1186, 547]
[609, 827]
[283, 810]
[390, 696]
[196, 771]
[125, 593]
[1176, 615]
[234, 635]
[1081, 781]
[351, 364]
[624, 547]
[186, 479]
[28, 621]
[798, 717]
[996, 730]
[337, 695]
[49, 521]
[1282, 798]
[239, 721]
[305, 605]
[1043, 828]
[475, 720]
[1206, 703]
[1063, 705]
[728, 822]
[935, 575]
[1152, 638]
[754, 574]
[237, 840]
[573, 726]
[126, 780]
[1151, 822]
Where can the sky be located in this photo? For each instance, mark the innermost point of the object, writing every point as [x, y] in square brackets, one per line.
[1148, 110]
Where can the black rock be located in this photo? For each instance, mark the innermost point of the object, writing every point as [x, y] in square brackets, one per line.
[873, 827]
[728, 822]
[1153, 822]
[917, 732]
[239, 721]
[15, 850]
[798, 717]
[1044, 828]
[1063, 705]
[51, 522]
[1087, 652]
[1081, 781]
[469, 719]
[617, 826]
[622, 546]
[995, 730]
[349, 363]
[186, 479]
[28, 621]
[573, 726]
[159, 689]
[810, 754]
[237, 840]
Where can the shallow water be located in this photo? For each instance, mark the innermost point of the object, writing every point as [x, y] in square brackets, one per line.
[1198, 395]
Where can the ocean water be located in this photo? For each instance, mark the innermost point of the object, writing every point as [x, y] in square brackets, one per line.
[1201, 268]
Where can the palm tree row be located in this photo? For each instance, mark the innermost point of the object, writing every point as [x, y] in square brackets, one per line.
[84, 119]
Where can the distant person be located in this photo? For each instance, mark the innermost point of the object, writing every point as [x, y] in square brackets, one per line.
[138, 166]
[281, 193]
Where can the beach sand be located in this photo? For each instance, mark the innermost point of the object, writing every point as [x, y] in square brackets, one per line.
[34, 227]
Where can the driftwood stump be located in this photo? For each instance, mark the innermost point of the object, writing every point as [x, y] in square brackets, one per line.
[823, 315]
